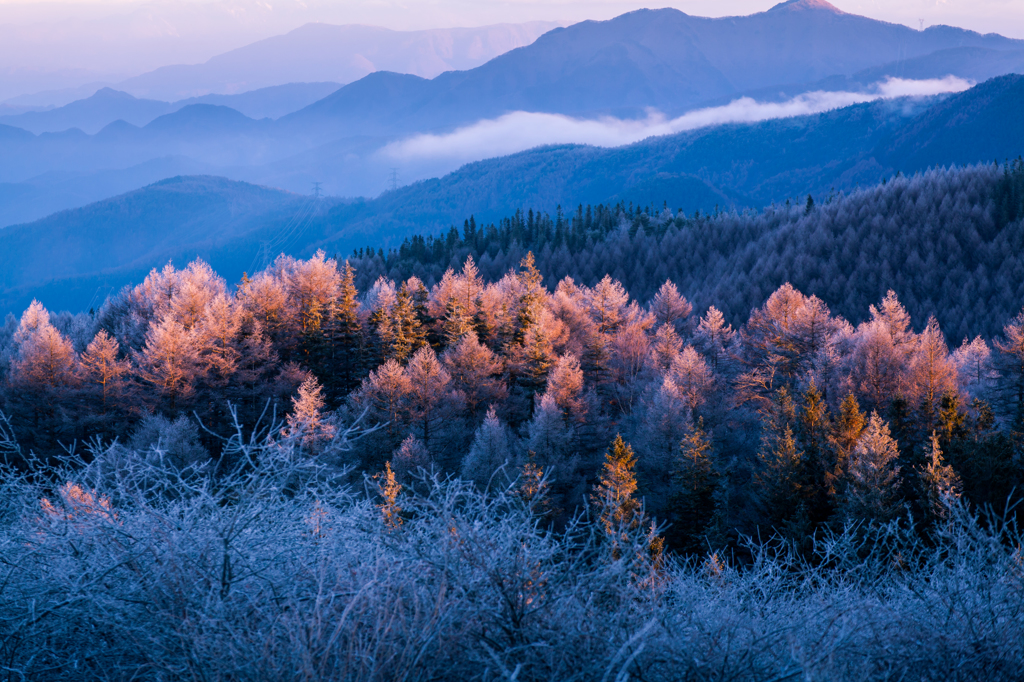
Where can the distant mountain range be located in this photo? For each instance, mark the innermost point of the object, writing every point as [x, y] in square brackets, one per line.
[92, 114]
[667, 60]
[661, 59]
[339, 54]
[66, 258]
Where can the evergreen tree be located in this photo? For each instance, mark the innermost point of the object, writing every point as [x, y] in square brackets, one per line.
[619, 511]
[868, 484]
[941, 482]
[694, 483]
[489, 452]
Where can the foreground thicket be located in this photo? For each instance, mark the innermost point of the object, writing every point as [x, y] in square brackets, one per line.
[133, 566]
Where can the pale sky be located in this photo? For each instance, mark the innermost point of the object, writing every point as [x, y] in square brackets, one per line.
[63, 43]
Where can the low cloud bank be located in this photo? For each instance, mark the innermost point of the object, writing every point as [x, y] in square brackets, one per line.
[523, 130]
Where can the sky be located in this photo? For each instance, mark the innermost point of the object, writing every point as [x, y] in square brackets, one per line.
[52, 44]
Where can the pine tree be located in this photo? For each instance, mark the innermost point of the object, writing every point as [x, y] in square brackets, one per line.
[619, 511]
[868, 486]
[846, 433]
[819, 462]
[941, 482]
[345, 333]
[694, 484]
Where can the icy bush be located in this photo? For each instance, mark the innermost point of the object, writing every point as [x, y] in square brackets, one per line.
[269, 569]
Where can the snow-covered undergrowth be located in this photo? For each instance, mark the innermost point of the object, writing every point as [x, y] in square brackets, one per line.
[130, 566]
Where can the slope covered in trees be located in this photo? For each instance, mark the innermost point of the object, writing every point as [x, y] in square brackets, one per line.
[483, 369]
[945, 239]
[560, 479]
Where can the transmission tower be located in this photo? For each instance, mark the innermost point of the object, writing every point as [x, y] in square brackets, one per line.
[393, 180]
[316, 190]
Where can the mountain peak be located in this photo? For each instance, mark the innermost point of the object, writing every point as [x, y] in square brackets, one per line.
[110, 94]
[796, 5]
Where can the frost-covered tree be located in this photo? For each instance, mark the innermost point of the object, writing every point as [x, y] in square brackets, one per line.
[670, 307]
[169, 361]
[307, 421]
[869, 490]
[714, 336]
[102, 368]
[489, 452]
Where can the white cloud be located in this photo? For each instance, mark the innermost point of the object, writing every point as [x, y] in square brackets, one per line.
[523, 130]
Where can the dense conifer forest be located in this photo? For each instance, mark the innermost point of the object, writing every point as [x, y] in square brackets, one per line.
[617, 443]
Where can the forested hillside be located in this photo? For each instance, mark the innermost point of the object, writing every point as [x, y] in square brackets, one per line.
[945, 239]
[523, 460]
[550, 337]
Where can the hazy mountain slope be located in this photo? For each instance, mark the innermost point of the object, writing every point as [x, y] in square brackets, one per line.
[91, 114]
[342, 54]
[984, 123]
[660, 58]
[22, 202]
[107, 105]
[270, 102]
[737, 166]
[648, 58]
[179, 218]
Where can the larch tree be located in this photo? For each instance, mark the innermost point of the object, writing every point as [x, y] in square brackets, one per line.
[973, 360]
[670, 308]
[306, 422]
[410, 457]
[45, 360]
[169, 361]
[713, 336]
[384, 394]
[933, 372]
[475, 371]
[565, 386]
[1011, 366]
[692, 376]
[547, 432]
[429, 398]
[102, 368]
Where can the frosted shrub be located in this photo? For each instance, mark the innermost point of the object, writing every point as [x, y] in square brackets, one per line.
[270, 570]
